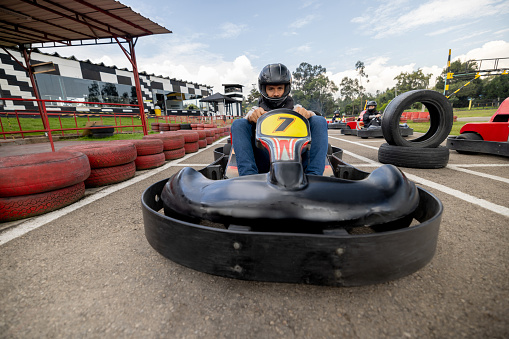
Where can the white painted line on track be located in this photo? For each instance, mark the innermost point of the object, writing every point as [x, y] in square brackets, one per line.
[463, 196]
[36, 222]
[455, 193]
[360, 157]
[481, 165]
[480, 174]
[354, 142]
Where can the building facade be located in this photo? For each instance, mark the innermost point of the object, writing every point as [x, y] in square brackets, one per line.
[83, 82]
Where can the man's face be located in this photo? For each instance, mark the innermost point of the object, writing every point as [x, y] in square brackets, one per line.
[275, 91]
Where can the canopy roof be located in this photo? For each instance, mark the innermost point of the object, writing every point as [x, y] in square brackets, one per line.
[70, 22]
[218, 97]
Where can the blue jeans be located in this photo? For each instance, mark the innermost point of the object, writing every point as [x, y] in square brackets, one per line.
[253, 160]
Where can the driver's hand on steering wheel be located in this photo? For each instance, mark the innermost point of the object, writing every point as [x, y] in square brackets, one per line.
[304, 112]
[255, 115]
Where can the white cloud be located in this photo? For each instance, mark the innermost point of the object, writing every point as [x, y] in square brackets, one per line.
[231, 30]
[394, 17]
[446, 29]
[490, 50]
[381, 75]
[301, 22]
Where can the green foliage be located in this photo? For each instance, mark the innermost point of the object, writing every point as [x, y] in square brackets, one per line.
[411, 81]
[313, 89]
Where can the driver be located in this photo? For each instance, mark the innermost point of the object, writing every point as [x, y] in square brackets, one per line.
[274, 84]
[336, 117]
[371, 117]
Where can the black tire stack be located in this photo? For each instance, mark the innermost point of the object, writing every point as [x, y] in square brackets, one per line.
[424, 151]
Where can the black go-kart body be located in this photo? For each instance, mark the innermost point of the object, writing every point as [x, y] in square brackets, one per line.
[347, 229]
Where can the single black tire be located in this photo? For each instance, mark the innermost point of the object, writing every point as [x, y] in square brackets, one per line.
[101, 135]
[469, 136]
[185, 126]
[440, 112]
[411, 157]
[106, 129]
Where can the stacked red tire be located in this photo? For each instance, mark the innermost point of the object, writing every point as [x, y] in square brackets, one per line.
[174, 127]
[149, 153]
[191, 140]
[209, 136]
[35, 184]
[202, 135]
[164, 127]
[155, 126]
[110, 163]
[173, 144]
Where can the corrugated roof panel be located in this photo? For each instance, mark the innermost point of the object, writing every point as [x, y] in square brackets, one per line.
[23, 21]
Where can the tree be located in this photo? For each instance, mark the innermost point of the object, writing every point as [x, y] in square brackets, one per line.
[252, 99]
[304, 73]
[410, 81]
[320, 90]
[253, 96]
[352, 91]
[496, 87]
[313, 89]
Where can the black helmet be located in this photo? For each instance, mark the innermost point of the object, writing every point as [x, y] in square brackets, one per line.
[275, 74]
[371, 103]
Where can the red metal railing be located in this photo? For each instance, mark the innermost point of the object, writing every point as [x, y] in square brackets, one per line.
[119, 125]
[119, 118]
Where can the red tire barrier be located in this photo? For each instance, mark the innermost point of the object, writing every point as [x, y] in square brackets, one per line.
[174, 153]
[202, 134]
[170, 140]
[174, 127]
[143, 162]
[191, 147]
[148, 146]
[41, 172]
[24, 206]
[189, 135]
[210, 140]
[209, 125]
[110, 175]
[202, 143]
[164, 127]
[101, 154]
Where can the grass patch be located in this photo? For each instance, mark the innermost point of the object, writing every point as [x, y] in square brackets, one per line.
[422, 127]
[10, 124]
[475, 113]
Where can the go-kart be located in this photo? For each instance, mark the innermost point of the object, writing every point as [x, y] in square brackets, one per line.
[350, 228]
[373, 131]
[487, 137]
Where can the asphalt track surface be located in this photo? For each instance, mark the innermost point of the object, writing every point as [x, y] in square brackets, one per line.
[87, 271]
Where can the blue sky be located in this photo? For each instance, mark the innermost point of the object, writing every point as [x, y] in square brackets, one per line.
[216, 42]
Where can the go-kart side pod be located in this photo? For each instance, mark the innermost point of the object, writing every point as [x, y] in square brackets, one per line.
[335, 258]
[384, 196]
